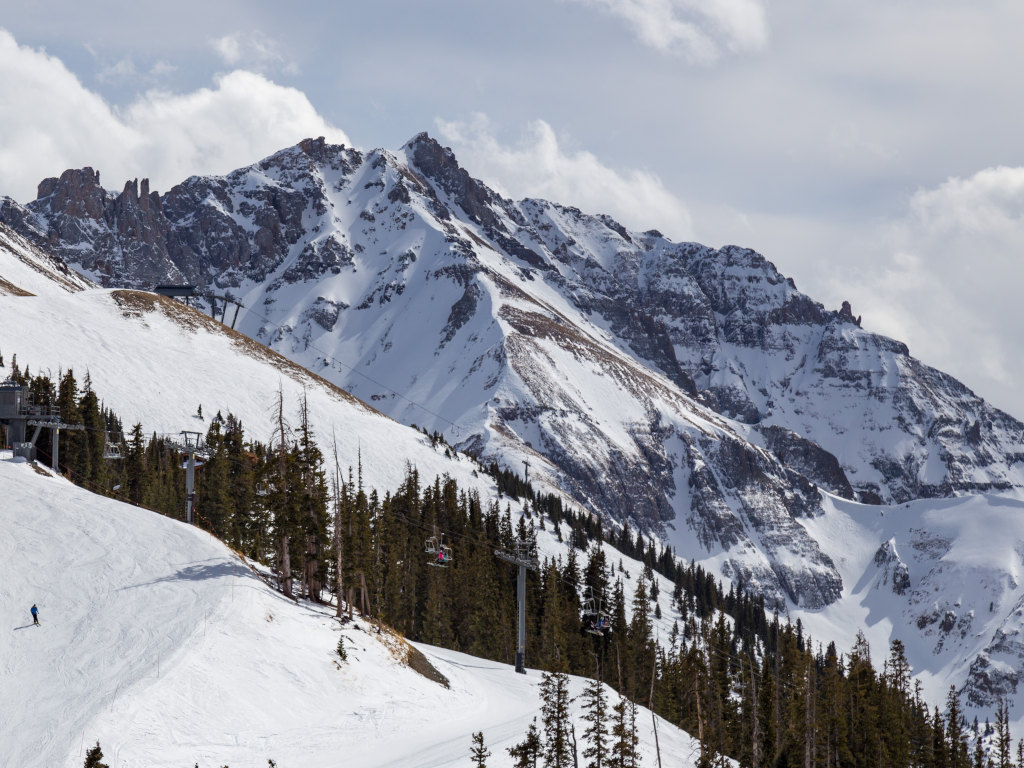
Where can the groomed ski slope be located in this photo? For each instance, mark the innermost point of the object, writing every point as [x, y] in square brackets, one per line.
[160, 643]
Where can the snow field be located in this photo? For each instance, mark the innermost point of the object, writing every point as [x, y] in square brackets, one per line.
[962, 555]
[163, 645]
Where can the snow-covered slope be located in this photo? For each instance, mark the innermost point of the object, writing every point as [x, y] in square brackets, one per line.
[944, 576]
[155, 361]
[26, 269]
[159, 642]
[695, 391]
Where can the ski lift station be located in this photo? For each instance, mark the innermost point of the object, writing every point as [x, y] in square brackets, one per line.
[16, 414]
[10, 409]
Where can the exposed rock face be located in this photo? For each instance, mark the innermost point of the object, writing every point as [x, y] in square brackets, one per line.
[636, 367]
[894, 571]
[808, 458]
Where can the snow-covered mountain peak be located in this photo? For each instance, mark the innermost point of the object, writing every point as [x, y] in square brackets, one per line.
[693, 391]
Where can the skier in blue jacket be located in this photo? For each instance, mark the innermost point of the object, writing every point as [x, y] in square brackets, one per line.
[35, 615]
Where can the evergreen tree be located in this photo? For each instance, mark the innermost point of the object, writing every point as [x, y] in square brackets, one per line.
[94, 438]
[955, 737]
[94, 757]
[478, 751]
[214, 503]
[595, 714]
[979, 753]
[135, 474]
[313, 502]
[624, 736]
[1004, 743]
[73, 455]
[527, 752]
[557, 748]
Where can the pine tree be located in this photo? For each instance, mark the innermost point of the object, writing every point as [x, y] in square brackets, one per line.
[93, 758]
[625, 739]
[554, 691]
[478, 751]
[1004, 744]
[72, 443]
[134, 471]
[955, 736]
[595, 714]
[94, 439]
[313, 517]
[527, 752]
[979, 753]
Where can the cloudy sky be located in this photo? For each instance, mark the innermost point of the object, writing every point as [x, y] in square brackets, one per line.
[872, 150]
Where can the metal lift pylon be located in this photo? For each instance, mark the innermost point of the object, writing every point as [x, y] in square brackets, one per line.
[192, 444]
[520, 557]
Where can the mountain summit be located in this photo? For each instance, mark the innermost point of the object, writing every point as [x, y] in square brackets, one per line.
[691, 391]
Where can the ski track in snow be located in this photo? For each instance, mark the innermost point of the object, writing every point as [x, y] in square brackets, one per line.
[163, 645]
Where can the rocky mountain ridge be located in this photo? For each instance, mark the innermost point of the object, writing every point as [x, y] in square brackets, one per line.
[690, 390]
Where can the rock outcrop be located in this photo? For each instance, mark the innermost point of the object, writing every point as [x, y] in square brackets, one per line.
[690, 390]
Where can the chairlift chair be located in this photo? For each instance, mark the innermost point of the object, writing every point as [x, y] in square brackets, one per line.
[441, 551]
[112, 449]
[595, 621]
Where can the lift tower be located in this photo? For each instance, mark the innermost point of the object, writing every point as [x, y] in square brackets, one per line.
[192, 444]
[521, 557]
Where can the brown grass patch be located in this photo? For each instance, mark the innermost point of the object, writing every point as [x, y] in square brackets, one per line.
[409, 656]
[10, 289]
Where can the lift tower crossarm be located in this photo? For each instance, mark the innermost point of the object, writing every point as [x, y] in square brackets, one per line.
[56, 425]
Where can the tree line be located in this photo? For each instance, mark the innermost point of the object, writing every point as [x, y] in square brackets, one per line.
[751, 686]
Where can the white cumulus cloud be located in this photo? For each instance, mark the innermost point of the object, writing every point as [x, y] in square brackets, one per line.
[538, 166]
[699, 29]
[946, 279]
[50, 122]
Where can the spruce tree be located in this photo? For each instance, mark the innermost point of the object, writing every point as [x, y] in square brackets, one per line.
[94, 757]
[527, 752]
[557, 748]
[313, 516]
[624, 736]
[595, 714]
[478, 751]
[955, 736]
[72, 443]
[1004, 743]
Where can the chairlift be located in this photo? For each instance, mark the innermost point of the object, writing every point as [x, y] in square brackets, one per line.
[595, 620]
[262, 489]
[113, 449]
[442, 552]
